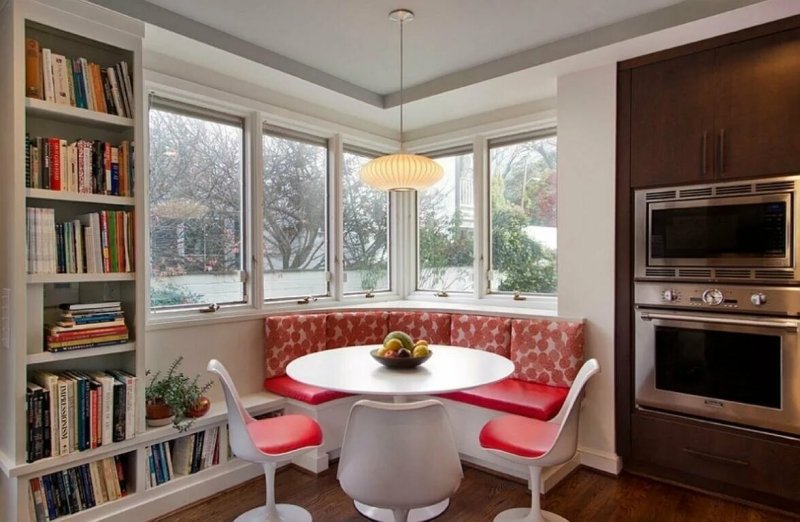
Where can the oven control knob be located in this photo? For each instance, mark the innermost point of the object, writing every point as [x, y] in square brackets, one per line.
[758, 299]
[669, 295]
[713, 297]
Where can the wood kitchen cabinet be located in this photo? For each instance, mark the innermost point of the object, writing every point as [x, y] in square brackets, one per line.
[728, 112]
[757, 114]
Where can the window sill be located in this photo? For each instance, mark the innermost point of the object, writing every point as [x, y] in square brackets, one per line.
[192, 318]
[539, 306]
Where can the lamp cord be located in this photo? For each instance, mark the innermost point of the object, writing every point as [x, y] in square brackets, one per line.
[402, 22]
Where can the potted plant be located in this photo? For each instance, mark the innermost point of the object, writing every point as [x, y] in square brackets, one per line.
[174, 397]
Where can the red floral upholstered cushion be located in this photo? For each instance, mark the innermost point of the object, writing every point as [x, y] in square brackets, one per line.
[288, 337]
[492, 334]
[356, 328]
[431, 326]
[545, 351]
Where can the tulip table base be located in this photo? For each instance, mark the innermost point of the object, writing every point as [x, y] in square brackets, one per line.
[415, 515]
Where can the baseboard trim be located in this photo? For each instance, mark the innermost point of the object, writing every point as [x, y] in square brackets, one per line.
[600, 460]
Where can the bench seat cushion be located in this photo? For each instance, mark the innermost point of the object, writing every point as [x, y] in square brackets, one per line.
[432, 326]
[528, 399]
[288, 387]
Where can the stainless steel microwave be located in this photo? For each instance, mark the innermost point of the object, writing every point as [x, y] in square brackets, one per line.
[734, 231]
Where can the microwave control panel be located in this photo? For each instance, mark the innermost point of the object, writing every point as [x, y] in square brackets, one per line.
[711, 297]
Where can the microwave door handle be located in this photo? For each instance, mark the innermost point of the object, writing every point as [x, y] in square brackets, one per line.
[649, 316]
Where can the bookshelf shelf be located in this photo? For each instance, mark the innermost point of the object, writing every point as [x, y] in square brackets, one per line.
[77, 197]
[70, 114]
[49, 357]
[256, 403]
[81, 278]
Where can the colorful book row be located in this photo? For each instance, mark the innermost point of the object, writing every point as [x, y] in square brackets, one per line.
[76, 489]
[100, 242]
[72, 410]
[84, 166]
[76, 82]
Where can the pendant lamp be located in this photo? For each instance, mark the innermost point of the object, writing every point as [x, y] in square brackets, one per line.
[401, 171]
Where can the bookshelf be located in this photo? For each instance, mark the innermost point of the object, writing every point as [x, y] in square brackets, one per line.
[72, 29]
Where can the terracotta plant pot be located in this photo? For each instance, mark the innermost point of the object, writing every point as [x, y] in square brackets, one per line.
[158, 414]
[200, 408]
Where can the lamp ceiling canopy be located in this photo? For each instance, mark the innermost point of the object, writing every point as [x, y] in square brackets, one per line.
[401, 171]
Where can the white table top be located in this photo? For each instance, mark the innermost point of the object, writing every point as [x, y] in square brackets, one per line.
[353, 370]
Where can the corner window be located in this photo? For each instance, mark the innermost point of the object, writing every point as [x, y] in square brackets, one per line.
[523, 232]
[295, 217]
[446, 228]
[365, 225]
[195, 206]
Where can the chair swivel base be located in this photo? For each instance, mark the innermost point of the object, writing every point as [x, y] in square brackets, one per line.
[523, 515]
[286, 513]
[415, 515]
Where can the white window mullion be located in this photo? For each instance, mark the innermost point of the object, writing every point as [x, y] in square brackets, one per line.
[482, 229]
[335, 216]
[404, 242]
[255, 217]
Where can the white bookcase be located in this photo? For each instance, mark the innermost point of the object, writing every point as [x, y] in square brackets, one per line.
[80, 29]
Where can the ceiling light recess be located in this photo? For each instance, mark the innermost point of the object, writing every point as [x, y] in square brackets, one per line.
[401, 171]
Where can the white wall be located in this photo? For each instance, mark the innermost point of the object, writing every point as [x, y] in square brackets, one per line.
[586, 178]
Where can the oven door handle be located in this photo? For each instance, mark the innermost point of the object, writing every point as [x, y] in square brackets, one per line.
[789, 325]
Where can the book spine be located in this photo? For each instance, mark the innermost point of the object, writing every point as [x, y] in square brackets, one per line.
[47, 75]
[28, 161]
[29, 414]
[87, 417]
[38, 434]
[46, 158]
[151, 467]
[105, 240]
[49, 497]
[109, 99]
[55, 164]
[70, 83]
[123, 483]
[97, 493]
[87, 481]
[119, 412]
[60, 79]
[115, 171]
[159, 463]
[33, 69]
[76, 502]
[60, 492]
[47, 431]
[197, 451]
[63, 418]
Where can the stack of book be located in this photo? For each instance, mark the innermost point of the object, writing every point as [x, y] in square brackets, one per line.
[85, 166]
[76, 489]
[86, 325]
[194, 452]
[100, 242]
[159, 464]
[72, 410]
[77, 82]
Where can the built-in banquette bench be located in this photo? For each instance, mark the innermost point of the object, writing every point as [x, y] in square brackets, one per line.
[547, 354]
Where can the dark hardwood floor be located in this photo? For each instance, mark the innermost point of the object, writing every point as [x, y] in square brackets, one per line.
[584, 496]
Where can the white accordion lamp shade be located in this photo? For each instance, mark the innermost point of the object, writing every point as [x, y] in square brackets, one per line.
[401, 172]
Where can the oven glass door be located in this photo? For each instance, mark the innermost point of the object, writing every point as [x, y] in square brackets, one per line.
[725, 365]
[737, 231]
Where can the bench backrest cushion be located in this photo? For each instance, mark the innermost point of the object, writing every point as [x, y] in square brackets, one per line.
[483, 332]
[356, 328]
[546, 351]
[431, 326]
[288, 337]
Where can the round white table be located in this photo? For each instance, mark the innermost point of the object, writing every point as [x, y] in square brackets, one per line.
[353, 370]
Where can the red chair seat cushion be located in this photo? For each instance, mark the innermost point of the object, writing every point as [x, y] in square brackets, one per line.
[288, 387]
[521, 436]
[286, 433]
[528, 399]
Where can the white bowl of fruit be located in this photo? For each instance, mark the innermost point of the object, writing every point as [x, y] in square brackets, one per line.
[400, 351]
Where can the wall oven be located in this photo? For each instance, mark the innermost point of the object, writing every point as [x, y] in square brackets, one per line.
[714, 352]
[736, 231]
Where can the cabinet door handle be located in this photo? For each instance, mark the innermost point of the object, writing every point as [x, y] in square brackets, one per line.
[721, 158]
[718, 458]
[704, 153]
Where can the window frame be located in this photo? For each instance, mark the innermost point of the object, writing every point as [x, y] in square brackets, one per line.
[331, 201]
[503, 141]
[348, 148]
[456, 150]
[186, 106]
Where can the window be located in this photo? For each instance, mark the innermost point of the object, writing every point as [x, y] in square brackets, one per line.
[522, 179]
[196, 206]
[446, 230]
[295, 215]
[365, 226]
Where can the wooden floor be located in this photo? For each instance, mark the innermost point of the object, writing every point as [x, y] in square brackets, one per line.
[584, 496]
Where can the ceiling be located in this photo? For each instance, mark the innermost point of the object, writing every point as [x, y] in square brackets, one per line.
[340, 58]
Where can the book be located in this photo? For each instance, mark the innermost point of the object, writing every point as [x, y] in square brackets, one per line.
[130, 394]
[118, 417]
[47, 76]
[182, 455]
[33, 69]
[60, 82]
[107, 409]
[49, 381]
